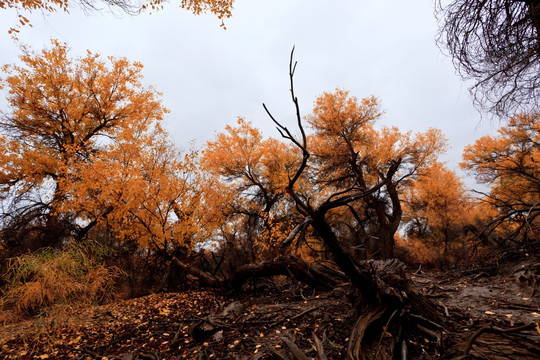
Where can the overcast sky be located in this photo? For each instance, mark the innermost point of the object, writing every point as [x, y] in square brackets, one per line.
[210, 76]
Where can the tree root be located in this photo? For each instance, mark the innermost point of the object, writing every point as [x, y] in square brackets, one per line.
[297, 353]
[320, 348]
[490, 329]
[355, 350]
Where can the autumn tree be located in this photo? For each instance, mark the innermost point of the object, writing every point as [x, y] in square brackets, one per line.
[84, 147]
[220, 8]
[497, 44]
[343, 126]
[142, 189]
[253, 172]
[510, 165]
[351, 154]
[437, 210]
[86, 155]
[352, 166]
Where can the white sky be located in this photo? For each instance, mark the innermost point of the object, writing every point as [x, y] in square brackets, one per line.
[210, 76]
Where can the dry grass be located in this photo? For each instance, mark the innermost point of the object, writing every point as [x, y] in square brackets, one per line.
[68, 277]
[47, 289]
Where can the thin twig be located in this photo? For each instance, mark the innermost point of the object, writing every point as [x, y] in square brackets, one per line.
[384, 331]
[304, 313]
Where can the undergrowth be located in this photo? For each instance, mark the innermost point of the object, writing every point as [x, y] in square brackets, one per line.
[72, 276]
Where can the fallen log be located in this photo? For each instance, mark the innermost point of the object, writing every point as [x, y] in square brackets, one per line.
[318, 276]
[311, 274]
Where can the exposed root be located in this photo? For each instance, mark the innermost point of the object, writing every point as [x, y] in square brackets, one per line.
[355, 350]
[320, 348]
[432, 334]
[491, 329]
[295, 350]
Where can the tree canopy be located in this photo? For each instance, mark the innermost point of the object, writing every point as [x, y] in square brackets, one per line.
[497, 44]
[510, 165]
[84, 146]
[437, 209]
[351, 154]
[220, 8]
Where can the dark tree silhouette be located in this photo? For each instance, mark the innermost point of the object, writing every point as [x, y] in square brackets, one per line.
[495, 43]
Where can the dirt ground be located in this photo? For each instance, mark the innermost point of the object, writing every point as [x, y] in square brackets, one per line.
[492, 301]
[260, 323]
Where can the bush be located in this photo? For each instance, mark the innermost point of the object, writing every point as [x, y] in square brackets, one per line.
[74, 275]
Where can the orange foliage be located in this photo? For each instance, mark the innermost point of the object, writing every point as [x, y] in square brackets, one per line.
[249, 175]
[438, 197]
[84, 144]
[510, 164]
[346, 142]
[28, 6]
[74, 276]
[143, 188]
[220, 8]
[436, 210]
[351, 156]
[244, 159]
[348, 156]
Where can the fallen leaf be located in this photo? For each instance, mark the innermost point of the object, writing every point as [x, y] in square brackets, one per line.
[490, 312]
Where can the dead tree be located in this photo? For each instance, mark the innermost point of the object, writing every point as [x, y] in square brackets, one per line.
[378, 303]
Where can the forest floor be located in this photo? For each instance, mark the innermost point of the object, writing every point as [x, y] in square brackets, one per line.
[264, 322]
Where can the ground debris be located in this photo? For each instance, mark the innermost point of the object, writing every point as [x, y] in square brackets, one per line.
[194, 325]
[291, 321]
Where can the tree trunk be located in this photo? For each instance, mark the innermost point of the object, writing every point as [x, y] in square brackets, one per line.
[361, 278]
[311, 274]
[381, 245]
[53, 231]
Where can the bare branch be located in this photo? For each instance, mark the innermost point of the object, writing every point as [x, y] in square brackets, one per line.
[496, 43]
[300, 227]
